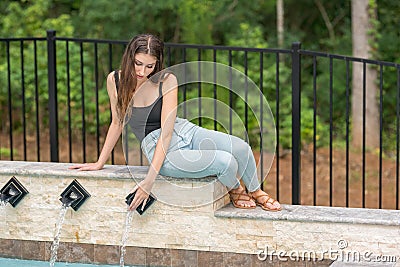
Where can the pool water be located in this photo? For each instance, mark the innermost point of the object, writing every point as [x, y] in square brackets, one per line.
[5, 262]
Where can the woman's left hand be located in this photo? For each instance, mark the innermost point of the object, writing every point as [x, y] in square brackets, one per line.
[143, 190]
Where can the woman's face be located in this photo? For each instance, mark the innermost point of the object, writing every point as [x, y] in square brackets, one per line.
[144, 65]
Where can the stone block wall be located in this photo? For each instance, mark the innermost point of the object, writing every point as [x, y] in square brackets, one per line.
[189, 219]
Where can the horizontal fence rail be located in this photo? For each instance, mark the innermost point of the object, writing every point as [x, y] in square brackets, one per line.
[55, 107]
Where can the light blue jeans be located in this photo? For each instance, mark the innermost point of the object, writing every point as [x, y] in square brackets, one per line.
[196, 152]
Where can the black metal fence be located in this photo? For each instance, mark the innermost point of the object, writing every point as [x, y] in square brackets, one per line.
[54, 107]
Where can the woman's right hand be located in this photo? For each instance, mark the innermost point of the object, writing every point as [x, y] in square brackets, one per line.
[87, 167]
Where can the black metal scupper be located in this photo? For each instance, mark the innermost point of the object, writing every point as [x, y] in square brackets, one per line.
[12, 192]
[74, 195]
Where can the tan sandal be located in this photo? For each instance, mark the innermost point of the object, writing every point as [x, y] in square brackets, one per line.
[269, 200]
[240, 196]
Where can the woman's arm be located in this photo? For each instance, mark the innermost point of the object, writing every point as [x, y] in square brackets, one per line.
[168, 116]
[113, 133]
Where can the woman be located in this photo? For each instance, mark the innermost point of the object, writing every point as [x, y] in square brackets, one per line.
[175, 147]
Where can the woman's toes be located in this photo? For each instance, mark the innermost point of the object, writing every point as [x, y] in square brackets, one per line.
[247, 204]
[274, 206]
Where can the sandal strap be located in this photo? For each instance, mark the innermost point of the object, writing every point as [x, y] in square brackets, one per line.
[242, 195]
[265, 201]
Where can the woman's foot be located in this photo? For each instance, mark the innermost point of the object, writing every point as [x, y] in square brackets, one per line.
[240, 199]
[265, 201]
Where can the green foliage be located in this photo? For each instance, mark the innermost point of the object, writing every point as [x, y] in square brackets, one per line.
[31, 20]
[22, 19]
[75, 84]
[373, 32]
[5, 152]
[250, 37]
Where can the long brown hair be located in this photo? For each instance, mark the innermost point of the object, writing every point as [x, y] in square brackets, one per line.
[143, 43]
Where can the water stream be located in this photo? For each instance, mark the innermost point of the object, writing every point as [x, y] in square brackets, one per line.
[128, 224]
[56, 242]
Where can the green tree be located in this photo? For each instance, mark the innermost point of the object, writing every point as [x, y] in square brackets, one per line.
[21, 19]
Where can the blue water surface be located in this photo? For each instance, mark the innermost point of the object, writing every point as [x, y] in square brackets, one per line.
[5, 262]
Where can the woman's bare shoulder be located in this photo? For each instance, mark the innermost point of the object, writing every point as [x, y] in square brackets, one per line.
[170, 83]
[110, 77]
[111, 88]
[170, 79]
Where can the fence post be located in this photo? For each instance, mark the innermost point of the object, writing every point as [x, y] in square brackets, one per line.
[296, 108]
[52, 91]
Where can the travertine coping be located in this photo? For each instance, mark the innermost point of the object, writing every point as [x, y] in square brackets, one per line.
[297, 213]
[61, 170]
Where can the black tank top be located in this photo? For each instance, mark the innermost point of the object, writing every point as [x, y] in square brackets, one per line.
[144, 120]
